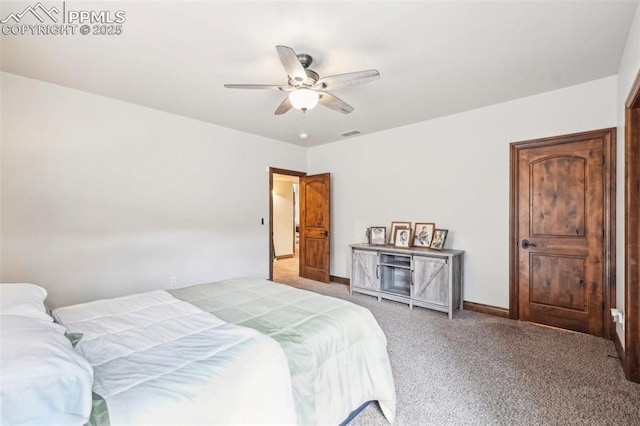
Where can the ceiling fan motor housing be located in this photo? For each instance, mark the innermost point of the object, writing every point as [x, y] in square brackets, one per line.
[305, 60]
[312, 78]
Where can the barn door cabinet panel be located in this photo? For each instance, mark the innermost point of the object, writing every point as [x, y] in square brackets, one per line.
[365, 272]
[416, 276]
[431, 280]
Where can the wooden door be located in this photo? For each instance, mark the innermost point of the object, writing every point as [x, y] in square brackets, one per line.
[315, 227]
[560, 233]
[632, 235]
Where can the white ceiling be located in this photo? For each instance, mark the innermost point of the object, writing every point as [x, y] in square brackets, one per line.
[435, 58]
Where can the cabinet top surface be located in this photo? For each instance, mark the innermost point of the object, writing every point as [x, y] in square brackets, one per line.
[410, 250]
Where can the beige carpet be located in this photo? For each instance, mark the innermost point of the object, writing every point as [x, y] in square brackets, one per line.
[482, 370]
[286, 270]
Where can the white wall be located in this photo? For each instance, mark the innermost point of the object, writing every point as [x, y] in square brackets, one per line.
[283, 221]
[453, 171]
[627, 72]
[102, 198]
[1, 75]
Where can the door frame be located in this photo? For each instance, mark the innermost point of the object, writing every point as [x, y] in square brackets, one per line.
[609, 246]
[631, 361]
[277, 171]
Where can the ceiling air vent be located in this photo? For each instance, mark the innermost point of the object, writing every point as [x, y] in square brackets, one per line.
[351, 133]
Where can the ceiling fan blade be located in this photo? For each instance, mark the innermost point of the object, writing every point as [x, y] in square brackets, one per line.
[347, 80]
[291, 64]
[256, 86]
[283, 107]
[334, 103]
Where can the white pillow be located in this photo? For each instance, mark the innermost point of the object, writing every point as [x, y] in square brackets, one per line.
[24, 300]
[44, 381]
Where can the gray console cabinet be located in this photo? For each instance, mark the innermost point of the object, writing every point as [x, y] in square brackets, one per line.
[416, 276]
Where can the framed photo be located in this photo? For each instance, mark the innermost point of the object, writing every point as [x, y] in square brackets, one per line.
[423, 234]
[397, 225]
[439, 236]
[378, 235]
[402, 237]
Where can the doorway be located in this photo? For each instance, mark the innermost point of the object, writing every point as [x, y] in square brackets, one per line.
[562, 248]
[286, 227]
[283, 224]
[314, 224]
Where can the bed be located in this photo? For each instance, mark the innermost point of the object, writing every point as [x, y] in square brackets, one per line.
[160, 360]
[43, 380]
[336, 351]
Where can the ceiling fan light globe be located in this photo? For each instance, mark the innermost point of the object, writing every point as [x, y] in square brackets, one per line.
[304, 99]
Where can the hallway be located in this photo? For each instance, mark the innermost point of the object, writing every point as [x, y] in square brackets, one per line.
[286, 271]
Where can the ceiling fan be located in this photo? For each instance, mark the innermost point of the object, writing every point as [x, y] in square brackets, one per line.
[306, 88]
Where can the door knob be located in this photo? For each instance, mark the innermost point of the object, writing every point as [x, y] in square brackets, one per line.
[526, 244]
[327, 233]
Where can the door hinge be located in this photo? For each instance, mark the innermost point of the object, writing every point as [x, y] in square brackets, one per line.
[603, 306]
[603, 233]
[603, 162]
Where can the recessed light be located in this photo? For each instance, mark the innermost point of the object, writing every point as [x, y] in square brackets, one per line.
[304, 136]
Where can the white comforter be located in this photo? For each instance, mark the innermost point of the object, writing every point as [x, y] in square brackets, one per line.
[158, 360]
[337, 351]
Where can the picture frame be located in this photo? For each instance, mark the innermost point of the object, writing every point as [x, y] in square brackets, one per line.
[423, 234]
[378, 235]
[394, 226]
[439, 237]
[402, 238]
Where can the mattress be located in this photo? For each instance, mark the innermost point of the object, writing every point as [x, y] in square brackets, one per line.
[159, 360]
[336, 350]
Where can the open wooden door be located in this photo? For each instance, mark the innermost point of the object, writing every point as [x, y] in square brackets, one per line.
[315, 230]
